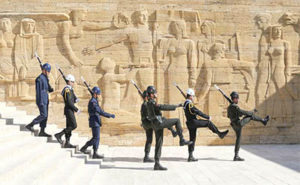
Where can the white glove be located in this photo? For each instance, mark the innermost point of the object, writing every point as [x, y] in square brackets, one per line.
[77, 100]
[78, 112]
[210, 118]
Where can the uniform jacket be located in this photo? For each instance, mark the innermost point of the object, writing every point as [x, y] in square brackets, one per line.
[154, 110]
[191, 111]
[144, 116]
[69, 98]
[95, 113]
[42, 88]
[234, 113]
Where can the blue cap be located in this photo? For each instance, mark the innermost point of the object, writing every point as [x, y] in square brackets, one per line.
[96, 90]
[47, 67]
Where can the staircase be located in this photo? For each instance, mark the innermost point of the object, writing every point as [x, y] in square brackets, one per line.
[26, 158]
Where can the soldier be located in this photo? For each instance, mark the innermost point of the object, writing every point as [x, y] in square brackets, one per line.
[42, 87]
[234, 113]
[70, 99]
[95, 112]
[191, 113]
[159, 123]
[147, 125]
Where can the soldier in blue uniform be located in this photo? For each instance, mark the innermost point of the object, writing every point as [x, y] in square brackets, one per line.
[95, 112]
[191, 113]
[42, 87]
[70, 99]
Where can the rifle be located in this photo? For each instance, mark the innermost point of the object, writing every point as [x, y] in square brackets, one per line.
[222, 92]
[88, 87]
[58, 68]
[139, 90]
[38, 58]
[180, 90]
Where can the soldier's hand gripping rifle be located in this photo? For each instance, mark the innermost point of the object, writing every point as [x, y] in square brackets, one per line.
[222, 92]
[184, 95]
[62, 74]
[88, 87]
[139, 90]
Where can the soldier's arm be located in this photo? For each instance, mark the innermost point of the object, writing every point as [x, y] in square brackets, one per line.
[101, 112]
[69, 101]
[194, 110]
[244, 112]
[166, 107]
[38, 89]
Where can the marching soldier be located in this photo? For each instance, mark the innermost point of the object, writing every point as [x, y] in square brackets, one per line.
[95, 112]
[191, 113]
[234, 113]
[70, 99]
[42, 87]
[147, 125]
[159, 123]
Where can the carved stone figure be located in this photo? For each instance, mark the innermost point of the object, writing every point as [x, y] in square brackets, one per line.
[6, 46]
[110, 85]
[27, 42]
[180, 56]
[263, 23]
[279, 74]
[74, 29]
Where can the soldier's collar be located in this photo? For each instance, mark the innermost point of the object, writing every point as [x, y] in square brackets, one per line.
[68, 86]
[188, 100]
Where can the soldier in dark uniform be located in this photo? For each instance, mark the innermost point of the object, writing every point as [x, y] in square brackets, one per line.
[95, 112]
[234, 113]
[70, 99]
[42, 87]
[147, 125]
[159, 123]
[191, 113]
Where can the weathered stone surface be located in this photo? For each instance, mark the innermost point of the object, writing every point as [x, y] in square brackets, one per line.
[245, 46]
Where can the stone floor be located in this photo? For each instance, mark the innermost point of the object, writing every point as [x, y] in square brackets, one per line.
[264, 165]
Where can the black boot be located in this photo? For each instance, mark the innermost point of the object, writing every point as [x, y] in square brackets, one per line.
[43, 133]
[30, 127]
[58, 136]
[68, 144]
[265, 120]
[157, 166]
[83, 149]
[182, 141]
[223, 134]
[147, 159]
[238, 158]
[192, 158]
[174, 133]
[97, 156]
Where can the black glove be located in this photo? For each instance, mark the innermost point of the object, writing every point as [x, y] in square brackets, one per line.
[50, 89]
[180, 105]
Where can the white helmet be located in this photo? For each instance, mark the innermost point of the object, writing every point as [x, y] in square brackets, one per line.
[190, 92]
[70, 78]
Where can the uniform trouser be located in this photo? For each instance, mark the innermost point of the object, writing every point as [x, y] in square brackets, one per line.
[43, 117]
[194, 124]
[159, 133]
[237, 127]
[70, 123]
[149, 138]
[95, 139]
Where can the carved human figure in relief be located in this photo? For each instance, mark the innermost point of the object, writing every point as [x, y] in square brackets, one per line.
[280, 103]
[140, 42]
[6, 46]
[263, 23]
[27, 42]
[111, 85]
[205, 41]
[74, 29]
[180, 56]
[219, 71]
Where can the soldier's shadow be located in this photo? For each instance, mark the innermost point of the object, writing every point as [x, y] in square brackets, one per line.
[138, 160]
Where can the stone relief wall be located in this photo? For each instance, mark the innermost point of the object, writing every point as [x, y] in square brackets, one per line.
[158, 45]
